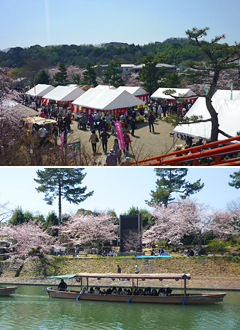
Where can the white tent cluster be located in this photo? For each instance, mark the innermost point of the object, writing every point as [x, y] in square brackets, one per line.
[159, 94]
[105, 99]
[228, 116]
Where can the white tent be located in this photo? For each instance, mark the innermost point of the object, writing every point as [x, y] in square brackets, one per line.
[158, 94]
[226, 95]
[106, 100]
[63, 94]
[105, 87]
[136, 91]
[40, 90]
[228, 116]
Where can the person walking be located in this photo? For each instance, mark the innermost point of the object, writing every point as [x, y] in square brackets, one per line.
[104, 136]
[117, 150]
[136, 270]
[151, 119]
[133, 125]
[94, 140]
[111, 159]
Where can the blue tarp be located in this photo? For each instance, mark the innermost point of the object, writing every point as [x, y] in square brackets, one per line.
[157, 256]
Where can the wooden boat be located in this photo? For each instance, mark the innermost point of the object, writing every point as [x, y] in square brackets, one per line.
[6, 290]
[184, 298]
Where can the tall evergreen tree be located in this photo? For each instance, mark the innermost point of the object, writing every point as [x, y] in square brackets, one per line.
[62, 183]
[61, 76]
[112, 74]
[90, 75]
[235, 180]
[150, 75]
[172, 181]
[219, 57]
[42, 78]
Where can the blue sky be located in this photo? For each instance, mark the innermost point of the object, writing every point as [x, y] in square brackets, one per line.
[25, 23]
[114, 188]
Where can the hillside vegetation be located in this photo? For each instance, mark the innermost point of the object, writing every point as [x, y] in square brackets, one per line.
[171, 51]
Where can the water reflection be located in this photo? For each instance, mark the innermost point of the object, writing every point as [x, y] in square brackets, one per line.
[31, 308]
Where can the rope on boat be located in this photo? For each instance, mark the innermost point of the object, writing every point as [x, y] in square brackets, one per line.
[77, 298]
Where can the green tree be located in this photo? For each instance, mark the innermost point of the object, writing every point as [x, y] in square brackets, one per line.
[235, 180]
[147, 218]
[219, 57]
[62, 183]
[61, 76]
[112, 74]
[90, 75]
[172, 181]
[150, 75]
[42, 78]
[172, 79]
[19, 217]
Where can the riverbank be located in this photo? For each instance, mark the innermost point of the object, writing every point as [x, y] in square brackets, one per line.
[218, 273]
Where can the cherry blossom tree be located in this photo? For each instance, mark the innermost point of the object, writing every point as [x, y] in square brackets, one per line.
[185, 218]
[4, 212]
[89, 229]
[27, 238]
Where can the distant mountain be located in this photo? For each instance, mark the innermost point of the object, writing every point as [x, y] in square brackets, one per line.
[175, 40]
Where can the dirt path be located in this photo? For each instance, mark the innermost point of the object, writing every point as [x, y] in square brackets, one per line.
[144, 144]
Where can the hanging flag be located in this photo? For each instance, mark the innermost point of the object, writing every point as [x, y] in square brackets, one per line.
[231, 96]
[118, 127]
[206, 89]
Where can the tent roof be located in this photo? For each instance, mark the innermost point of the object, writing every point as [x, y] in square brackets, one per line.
[228, 115]
[105, 87]
[158, 94]
[134, 90]
[226, 95]
[107, 99]
[41, 90]
[64, 93]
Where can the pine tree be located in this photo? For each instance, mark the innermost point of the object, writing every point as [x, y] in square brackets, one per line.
[150, 75]
[219, 57]
[61, 76]
[89, 76]
[62, 183]
[172, 181]
[43, 78]
[112, 74]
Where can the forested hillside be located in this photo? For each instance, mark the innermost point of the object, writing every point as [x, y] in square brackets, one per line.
[171, 51]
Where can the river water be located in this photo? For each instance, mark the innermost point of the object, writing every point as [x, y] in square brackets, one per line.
[31, 308]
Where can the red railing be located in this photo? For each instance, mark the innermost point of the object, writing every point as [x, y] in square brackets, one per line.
[210, 151]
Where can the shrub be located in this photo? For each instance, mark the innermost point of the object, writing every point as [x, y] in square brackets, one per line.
[217, 245]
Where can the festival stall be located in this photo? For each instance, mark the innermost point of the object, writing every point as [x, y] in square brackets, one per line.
[115, 102]
[189, 95]
[137, 91]
[228, 116]
[40, 90]
[63, 95]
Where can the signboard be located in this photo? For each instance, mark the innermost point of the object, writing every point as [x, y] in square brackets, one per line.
[72, 148]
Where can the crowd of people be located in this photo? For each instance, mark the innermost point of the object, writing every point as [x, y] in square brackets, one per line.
[127, 291]
[102, 125]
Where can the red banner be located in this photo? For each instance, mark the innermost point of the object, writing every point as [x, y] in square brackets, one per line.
[120, 134]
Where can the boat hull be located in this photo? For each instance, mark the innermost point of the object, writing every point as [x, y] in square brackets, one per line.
[190, 299]
[5, 291]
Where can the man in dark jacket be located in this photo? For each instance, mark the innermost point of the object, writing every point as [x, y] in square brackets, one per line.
[151, 121]
[104, 136]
